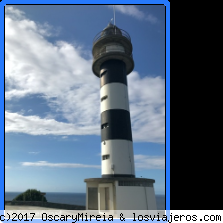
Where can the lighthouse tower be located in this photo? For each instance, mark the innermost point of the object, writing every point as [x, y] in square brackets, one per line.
[112, 52]
[118, 189]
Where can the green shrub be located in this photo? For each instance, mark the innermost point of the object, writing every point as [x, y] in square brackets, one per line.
[30, 195]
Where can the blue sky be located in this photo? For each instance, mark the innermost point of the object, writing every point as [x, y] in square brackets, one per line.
[52, 97]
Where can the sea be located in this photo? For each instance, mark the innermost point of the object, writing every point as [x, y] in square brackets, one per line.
[76, 198]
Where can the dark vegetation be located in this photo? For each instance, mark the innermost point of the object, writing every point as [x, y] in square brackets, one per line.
[30, 195]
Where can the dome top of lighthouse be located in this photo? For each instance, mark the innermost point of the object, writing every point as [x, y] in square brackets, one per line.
[110, 25]
[111, 29]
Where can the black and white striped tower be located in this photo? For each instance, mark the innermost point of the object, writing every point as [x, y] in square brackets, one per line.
[112, 52]
[118, 188]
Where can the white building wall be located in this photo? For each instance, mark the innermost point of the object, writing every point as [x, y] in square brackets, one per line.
[121, 156]
[124, 197]
[117, 97]
[134, 198]
[151, 198]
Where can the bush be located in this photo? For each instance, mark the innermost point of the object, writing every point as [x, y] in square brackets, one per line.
[30, 195]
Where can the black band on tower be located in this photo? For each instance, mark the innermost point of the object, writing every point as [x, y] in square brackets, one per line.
[116, 124]
[117, 175]
[113, 71]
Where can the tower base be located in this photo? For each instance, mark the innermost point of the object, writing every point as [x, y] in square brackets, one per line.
[120, 193]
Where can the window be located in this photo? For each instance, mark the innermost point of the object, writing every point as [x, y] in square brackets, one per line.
[104, 97]
[103, 126]
[105, 157]
[115, 48]
[135, 183]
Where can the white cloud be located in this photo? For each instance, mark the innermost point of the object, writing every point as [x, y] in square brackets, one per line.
[151, 18]
[149, 162]
[7, 167]
[64, 78]
[14, 13]
[133, 11]
[36, 126]
[60, 165]
[21, 112]
[46, 29]
[35, 153]
[147, 107]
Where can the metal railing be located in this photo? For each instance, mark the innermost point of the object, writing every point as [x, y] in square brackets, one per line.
[105, 49]
[96, 56]
[111, 32]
